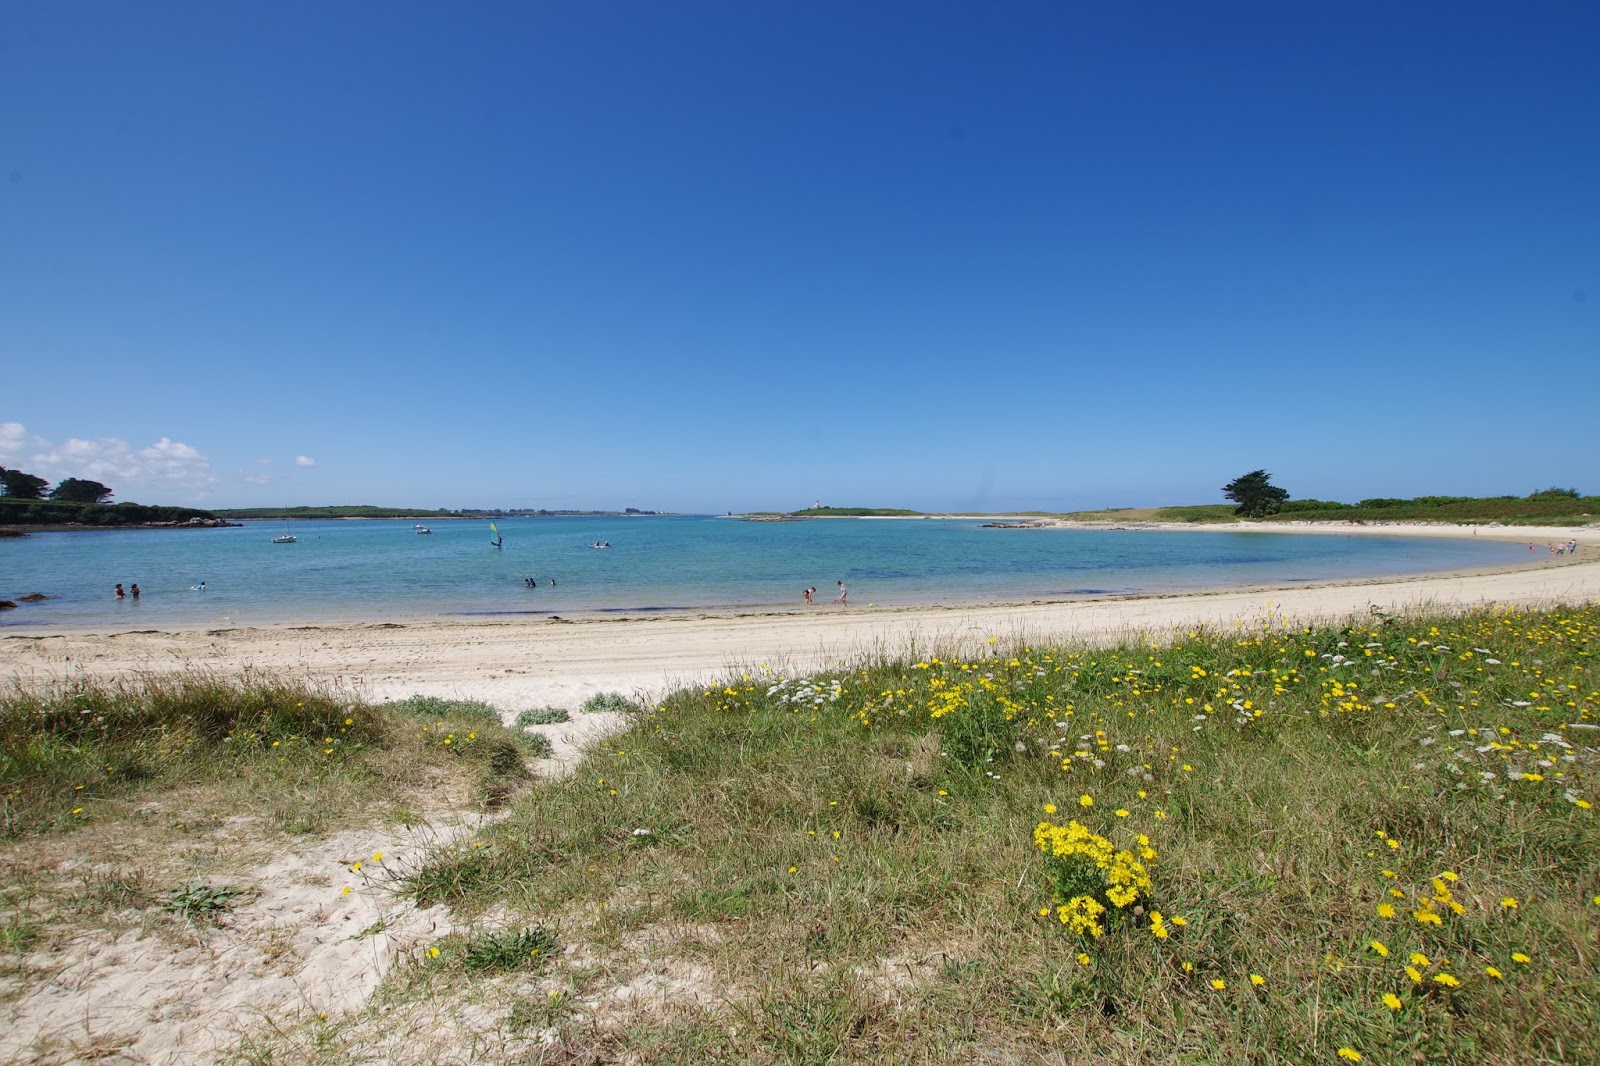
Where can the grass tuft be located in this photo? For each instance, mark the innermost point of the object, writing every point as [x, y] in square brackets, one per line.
[543, 716]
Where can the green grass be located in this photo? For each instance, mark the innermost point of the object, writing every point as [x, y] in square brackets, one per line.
[543, 716]
[300, 752]
[608, 702]
[1541, 508]
[832, 874]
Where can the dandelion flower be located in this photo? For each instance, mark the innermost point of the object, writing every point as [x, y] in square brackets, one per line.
[1392, 1001]
[1257, 980]
[1218, 983]
[1049, 808]
[1083, 959]
[1509, 903]
[1350, 1054]
[1412, 972]
[1419, 959]
[1380, 948]
[1385, 910]
[1086, 801]
[1448, 980]
[1492, 972]
[1519, 957]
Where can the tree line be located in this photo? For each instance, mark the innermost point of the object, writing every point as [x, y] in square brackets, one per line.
[20, 485]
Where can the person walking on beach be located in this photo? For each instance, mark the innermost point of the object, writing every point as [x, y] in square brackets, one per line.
[843, 592]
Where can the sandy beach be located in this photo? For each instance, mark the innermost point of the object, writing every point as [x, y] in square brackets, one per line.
[531, 663]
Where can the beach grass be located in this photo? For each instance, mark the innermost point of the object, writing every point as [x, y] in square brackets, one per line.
[1274, 844]
[1367, 841]
[71, 752]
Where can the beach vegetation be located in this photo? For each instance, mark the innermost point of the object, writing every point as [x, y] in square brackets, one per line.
[609, 703]
[73, 752]
[1254, 840]
[542, 716]
[1255, 494]
[1545, 508]
[1370, 839]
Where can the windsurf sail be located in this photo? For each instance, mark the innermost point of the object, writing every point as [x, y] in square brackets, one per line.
[498, 540]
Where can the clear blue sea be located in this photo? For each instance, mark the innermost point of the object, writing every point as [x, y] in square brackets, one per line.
[372, 571]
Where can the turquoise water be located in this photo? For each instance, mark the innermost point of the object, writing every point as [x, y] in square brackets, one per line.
[381, 571]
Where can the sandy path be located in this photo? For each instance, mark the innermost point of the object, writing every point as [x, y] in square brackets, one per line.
[520, 664]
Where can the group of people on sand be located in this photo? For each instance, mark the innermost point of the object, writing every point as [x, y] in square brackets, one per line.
[1569, 548]
[812, 591]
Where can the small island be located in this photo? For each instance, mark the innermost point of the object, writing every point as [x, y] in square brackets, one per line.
[77, 503]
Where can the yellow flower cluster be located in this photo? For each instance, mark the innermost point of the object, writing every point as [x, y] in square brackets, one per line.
[1119, 879]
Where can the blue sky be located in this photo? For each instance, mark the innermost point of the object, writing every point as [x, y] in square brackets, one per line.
[722, 255]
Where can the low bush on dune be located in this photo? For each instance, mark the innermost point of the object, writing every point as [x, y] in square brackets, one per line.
[68, 748]
[1373, 841]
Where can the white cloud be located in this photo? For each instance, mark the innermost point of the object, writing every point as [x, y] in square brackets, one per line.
[13, 440]
[257, 479]
[304, 460]
[166, 464]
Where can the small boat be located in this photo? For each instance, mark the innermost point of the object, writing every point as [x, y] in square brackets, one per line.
[420, 529]
[286, 538]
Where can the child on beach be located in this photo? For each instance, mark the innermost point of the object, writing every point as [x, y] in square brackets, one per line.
[843, 592]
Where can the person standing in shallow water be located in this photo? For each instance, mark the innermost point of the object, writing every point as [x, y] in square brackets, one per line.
[808, 593]
[843, 592]
[120, 593]
[134, 590]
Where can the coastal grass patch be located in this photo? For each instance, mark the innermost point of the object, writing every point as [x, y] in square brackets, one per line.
[305, 758]
[1374, 839]
[153, 808]
[542, 716]
[608, 703]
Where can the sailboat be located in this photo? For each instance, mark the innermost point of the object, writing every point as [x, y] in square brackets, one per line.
[287, 538]
[498, 539]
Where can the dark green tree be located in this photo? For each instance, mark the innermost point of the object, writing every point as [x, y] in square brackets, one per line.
[1255, 494]
[79, 490]
[22, 486]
